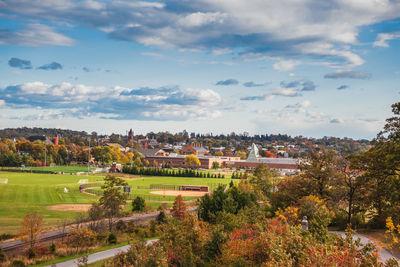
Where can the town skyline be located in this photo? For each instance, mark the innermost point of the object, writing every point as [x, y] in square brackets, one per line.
[305, 68]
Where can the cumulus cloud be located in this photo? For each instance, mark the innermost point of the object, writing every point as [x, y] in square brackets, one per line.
[228, 82]
[281, 29]
[34, 35]
[253, 84]
[51, 66]
[335, 121]
[382, 38]
[20, 63]
[286, 89]
[286, 65]
[342, 87]
[2, 103]
[300, 105]
[300, 85]
[164, 103]
[350, 74]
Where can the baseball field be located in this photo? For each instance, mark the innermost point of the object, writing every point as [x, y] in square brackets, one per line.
[57, 196]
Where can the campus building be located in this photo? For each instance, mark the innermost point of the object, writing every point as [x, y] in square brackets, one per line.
[178, 161]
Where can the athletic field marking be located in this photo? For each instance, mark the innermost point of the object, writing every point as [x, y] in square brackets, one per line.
[83, 181]
[3, 181]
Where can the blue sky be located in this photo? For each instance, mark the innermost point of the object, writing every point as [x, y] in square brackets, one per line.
[311, 68]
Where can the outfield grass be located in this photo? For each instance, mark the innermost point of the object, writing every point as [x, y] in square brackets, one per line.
[32, 192]
[66, 169]
[28, 192]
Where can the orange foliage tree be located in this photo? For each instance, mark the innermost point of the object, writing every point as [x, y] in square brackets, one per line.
[179, 208]
[31, 227]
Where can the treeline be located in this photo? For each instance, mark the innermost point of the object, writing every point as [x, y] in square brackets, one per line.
[170, 172]
[26, 132]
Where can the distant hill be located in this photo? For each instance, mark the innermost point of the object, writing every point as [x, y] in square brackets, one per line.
[26, 132]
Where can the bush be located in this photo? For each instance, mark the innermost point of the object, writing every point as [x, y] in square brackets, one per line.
[161, 217]
[30, 253]
[3, 256]
[112, 238]
[121, 226]
[138, 204]
[41, 251]
[18, 263]
[340, 220]
[52, 248]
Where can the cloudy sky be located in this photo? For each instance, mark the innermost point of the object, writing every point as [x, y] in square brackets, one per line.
[311, 67]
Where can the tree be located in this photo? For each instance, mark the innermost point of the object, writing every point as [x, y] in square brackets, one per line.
[215, 165]
[241, 154]
[192, 161]
[179, 208]
[138, 204]
[31, 227]
[81, 238]
[319, 169]
[161, 217]
[353, 180]
[262, 180]
[113, 198]
[102, 154]
[218, 154]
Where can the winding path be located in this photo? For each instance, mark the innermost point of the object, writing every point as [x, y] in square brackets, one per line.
[383, 253]
[98, 256]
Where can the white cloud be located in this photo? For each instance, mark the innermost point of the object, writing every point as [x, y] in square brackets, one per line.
[35, 35]
[200, 19]
[2, 103]
[221, 51]
[165, 103]
[286, 65]
[382, 38]
[265, 29]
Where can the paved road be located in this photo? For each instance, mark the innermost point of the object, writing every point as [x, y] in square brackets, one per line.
[99, 255]
[58, 233]
[384, 254]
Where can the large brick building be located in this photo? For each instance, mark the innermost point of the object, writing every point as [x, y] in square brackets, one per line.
[206, 162]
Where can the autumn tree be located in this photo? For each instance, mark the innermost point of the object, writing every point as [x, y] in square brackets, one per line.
[319, 169]
[31, 227]
[351, 182]
[113, 198]
[81, 238]
[218, 154]
[192, 161]
[179, 208]
[262, 180]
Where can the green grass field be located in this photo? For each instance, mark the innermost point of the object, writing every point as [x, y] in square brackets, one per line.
[66, 169]
[29, 192]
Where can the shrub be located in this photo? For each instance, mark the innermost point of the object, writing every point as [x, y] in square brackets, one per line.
[81, 238]
[30, 253]
[112, 238]
[161, 217]
[121, 226]
[18, 263]
[138, 204]
[41, 251]
[52, 248]
[3, 256]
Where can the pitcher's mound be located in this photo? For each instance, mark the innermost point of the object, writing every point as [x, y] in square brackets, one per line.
[182, 193]
[70, 207]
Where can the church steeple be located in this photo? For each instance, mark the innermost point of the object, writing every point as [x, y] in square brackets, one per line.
[131, 136]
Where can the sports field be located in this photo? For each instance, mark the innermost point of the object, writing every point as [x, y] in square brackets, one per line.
[66, 169]
[28, 192]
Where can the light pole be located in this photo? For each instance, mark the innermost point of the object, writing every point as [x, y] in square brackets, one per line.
[88, 158]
